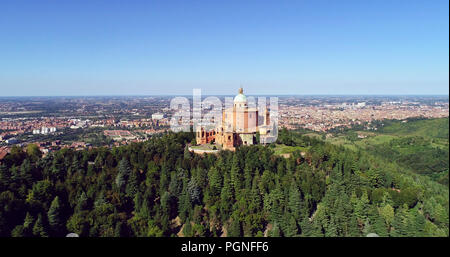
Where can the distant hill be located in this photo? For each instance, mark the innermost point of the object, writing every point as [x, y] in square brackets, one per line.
[429, 128]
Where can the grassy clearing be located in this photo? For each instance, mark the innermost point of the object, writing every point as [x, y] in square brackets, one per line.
[285, 149]
[312, 134]
[375, 140]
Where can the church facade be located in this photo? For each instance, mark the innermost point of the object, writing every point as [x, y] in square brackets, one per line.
[239, 126]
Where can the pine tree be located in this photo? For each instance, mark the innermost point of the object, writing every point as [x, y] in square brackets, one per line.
[5, 177]
[25, 172]
[146, 208]
[28, 224]
[248, 176]
[163, 181]
[165, 228]
[38, 228]
[187, 229]
[353, 229]
[379, 226]
[15, 174]
[153, 230]
[82, 202]
[132, 185]
[54, 216]
[306, 227]
[398, 223]
[332, 228]
[361, 207]
[294, 203]
[441, 215]
[184, 203]
[100, 201]
[387, 200]
[123, 173]
[75, 164]
[137, 200]
[367, 228]
[194, 191]
[18, 231]
[165, 203]
[291, 226]
[235, 175]
[215, 181]
[187, 153]
[226, 199]
[176, 184]
[118, 231]
[255, 198]
[419, 224]
[33, 152]
[235, 229]
[275, 232]
[387, 212]
[273, 204]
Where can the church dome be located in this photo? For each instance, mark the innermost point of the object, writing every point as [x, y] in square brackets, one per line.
[240, 98]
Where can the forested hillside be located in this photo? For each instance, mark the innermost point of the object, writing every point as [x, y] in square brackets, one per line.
[418, 145]
[159, 188]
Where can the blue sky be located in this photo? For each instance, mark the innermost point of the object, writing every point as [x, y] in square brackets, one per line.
[269, 47]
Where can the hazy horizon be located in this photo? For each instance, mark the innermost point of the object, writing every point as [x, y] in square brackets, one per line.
[204, 95]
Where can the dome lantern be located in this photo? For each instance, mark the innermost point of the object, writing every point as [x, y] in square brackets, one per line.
[240, 98]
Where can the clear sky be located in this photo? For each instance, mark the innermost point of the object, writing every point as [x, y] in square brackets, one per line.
[270, 47]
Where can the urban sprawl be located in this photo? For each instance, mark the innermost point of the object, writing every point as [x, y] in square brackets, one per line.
[54, 123]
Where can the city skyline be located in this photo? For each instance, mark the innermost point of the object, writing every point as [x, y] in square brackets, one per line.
[292, 48]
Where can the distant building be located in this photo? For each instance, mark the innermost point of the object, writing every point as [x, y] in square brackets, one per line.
[157, 116]
[78, 145]
[3, 153]
[12, 141]
[45, 130]
[77, 123]
[113, 133]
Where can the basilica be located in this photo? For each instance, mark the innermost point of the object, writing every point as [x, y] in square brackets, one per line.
[239, 126]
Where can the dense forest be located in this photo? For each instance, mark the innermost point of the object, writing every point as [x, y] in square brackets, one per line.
[159, 188]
